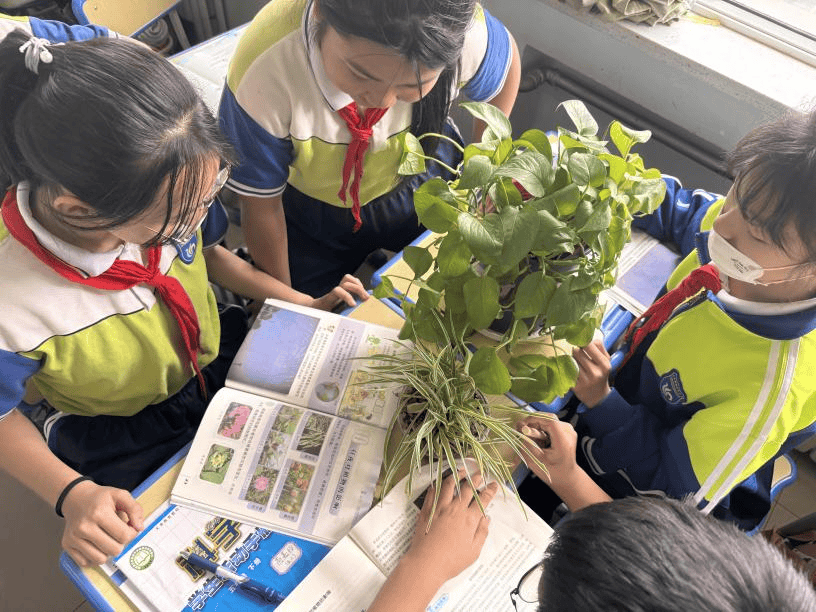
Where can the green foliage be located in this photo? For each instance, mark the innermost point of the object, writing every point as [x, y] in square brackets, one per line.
[531, 227]
[444, 417]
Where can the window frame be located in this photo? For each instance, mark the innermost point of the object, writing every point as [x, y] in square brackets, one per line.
[767, 29]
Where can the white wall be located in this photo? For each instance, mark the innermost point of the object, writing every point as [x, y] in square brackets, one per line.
[700, 76]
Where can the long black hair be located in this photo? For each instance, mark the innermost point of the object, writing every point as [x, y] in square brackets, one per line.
[430, 33]
[111, 122]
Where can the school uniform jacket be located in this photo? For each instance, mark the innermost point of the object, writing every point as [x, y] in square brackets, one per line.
[279, 109]
[711, 398]
[55, 31]
[93, 351]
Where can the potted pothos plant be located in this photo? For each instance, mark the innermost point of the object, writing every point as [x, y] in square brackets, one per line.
[528, 232]
[443, 417]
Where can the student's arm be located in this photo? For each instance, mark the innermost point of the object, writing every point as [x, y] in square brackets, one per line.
[233, 273]
[452, 544]
[681, 215]
[99, 521]
[264, 226]
[553, 443]
[506, 98]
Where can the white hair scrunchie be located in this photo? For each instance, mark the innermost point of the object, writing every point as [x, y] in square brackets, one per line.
[36, 51]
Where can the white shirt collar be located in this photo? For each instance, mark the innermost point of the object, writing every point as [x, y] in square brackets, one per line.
[736, 304]
[92, 264]
[335, 98]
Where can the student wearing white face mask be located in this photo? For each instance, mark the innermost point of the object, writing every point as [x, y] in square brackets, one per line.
[721, 373]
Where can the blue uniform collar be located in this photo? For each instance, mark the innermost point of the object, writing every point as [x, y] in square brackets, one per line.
[770, 324]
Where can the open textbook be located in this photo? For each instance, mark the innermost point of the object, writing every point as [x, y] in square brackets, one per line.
[352, 573]
[158, 579]
[206, 69]
[643, 269]
[295, 441]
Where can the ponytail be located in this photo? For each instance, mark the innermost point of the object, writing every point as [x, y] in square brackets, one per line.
[17, 83]
[111, 122]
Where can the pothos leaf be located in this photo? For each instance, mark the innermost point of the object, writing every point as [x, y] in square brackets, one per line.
[418, 259]
[584, 121]
[484, 237]
[488, 372]
[412, 161]
[454, 255]
[482, 301]
[492, 116]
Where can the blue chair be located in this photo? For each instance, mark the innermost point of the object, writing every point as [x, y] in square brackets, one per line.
[784, 475]
[129, 18]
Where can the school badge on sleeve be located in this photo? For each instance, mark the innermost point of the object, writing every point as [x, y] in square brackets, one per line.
[187, 250]
[671, 388]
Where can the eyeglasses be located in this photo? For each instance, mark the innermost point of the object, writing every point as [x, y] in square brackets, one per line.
[220, 180]
[183, 234]
[527, 588]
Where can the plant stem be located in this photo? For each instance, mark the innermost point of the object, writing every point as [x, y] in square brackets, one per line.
[448, 138]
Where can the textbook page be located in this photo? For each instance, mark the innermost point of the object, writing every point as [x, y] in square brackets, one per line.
[317, 360]
[514, 544]
[644, 267]
[206, 68]
[279, 466]
[163, 581]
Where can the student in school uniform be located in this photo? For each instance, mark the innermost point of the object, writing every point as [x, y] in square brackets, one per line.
[318, 95]
[108, 241]
[636, 554]
[720, 375]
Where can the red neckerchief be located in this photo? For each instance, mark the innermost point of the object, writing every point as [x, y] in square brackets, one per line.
[120, 276]
[704, 277]
[361, 130]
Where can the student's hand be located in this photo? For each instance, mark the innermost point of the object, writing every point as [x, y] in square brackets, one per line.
[553, 443]
[99, 522]
[458, 530]
[594, 365]
[344, 292]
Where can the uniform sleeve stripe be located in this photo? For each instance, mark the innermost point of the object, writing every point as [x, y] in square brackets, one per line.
[728, 479]
[489, 78]
[254, 191]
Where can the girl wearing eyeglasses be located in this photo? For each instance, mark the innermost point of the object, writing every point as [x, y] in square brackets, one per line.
[108, 242]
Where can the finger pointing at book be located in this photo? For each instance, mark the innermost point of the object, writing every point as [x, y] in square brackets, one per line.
[451, 544]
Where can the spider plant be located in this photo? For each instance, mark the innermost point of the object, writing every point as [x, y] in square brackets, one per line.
[444, 418]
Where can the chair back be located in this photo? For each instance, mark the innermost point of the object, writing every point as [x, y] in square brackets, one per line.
[127, 18]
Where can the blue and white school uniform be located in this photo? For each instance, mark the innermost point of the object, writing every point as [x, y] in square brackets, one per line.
[279, 109]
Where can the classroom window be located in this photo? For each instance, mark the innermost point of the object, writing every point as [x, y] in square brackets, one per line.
[786, 25]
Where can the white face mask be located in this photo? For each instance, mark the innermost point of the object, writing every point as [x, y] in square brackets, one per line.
[735, 264]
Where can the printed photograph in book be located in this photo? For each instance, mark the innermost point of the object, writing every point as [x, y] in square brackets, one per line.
[270, 367]
[318, 360]
[155, 571]
[290, 469]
